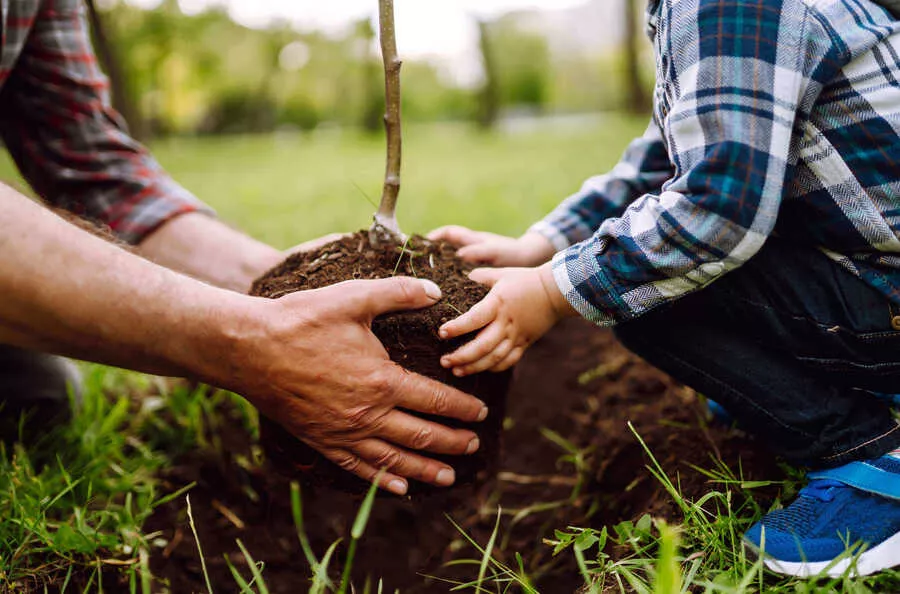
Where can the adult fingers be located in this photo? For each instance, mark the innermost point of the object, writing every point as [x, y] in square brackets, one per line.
[354, 464]
[482, 314]
[487, 362]
[372, 298]
[405, 464]
[455, 235]
[420, 394]
[486, 341]
[418, 434]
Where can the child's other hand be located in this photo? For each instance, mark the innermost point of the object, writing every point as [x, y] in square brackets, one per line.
[490, 249]
[524, 303]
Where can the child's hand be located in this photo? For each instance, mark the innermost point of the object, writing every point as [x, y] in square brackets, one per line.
[490, 249]
[522, 306]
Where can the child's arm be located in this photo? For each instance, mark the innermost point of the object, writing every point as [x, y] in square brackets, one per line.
[524, 303]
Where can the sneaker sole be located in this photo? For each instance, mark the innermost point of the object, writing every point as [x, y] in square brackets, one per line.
[880, 558]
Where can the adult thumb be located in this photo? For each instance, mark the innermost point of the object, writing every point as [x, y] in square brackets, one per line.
[376, 297]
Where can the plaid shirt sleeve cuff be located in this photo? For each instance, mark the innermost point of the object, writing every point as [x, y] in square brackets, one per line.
[134, 219]
[550, 231]
[586, 287]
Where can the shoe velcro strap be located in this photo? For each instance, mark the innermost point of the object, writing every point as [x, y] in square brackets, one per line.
[865, 477]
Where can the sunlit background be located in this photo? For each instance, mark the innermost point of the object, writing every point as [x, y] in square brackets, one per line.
[271, 111]
[217, 66]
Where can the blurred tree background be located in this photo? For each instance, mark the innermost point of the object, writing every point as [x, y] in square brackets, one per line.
[203, 74]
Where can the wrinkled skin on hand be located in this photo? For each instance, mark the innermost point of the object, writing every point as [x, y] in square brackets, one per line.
[323, 376]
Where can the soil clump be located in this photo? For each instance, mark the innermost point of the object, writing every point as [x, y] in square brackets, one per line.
[411, 340]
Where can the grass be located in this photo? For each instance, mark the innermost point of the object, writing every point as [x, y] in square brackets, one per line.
[73, 505]
[291, 188]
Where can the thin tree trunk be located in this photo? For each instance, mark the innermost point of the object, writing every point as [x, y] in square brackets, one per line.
[489, 96]
[386, 217]
[121, 99]
[637, 99]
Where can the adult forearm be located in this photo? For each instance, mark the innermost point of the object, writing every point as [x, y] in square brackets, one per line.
[68, 292]
[308, 360]
[207, 249]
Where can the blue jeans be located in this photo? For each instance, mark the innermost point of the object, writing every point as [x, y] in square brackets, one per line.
[794, 346]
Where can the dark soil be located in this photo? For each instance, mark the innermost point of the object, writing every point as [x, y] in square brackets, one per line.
[236, 500]
[410, 338]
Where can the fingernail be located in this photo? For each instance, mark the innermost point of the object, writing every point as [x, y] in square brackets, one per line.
[443, 332]
[445, 478]
[432, 290]
[458, 372]
[445, 362]
[483, 414]
[473, 446]
[399, 487]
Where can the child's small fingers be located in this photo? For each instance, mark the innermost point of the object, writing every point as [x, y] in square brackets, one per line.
[487, 276]
[487, 362]
[478, 317]
[481, 253]
[513, 358]
[486, 341]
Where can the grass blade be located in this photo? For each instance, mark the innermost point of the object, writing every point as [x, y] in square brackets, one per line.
[190, 513]
[359, 527]
[489, 549]
[297, 511]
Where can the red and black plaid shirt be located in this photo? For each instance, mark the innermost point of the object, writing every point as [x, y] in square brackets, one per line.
[56, 121]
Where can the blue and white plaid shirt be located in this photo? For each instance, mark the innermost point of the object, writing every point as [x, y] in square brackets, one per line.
[771, 117]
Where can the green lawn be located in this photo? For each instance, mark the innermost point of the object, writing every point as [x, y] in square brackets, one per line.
[285, 189]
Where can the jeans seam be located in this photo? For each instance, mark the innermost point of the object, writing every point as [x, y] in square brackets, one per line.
[876, 368]
[862, 445]
[879, 334]
[742, 396]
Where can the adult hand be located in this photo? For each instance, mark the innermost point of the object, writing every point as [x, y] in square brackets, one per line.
[498, 251]
[310, 362]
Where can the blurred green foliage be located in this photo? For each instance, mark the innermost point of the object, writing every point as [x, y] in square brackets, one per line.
[205, 74]
[286, 188]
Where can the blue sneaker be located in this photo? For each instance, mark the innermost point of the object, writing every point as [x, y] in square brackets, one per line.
[718, 413]
[831, 528]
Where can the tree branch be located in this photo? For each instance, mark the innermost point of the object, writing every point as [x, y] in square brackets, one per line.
[386, 217]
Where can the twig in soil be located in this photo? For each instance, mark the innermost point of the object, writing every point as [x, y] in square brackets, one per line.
[604, 370]
[190, 514]
[176, 540]
[454, 308]
[526, 479]
[228, 514]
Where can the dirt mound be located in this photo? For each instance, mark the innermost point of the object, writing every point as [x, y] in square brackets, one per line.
[411, 339]
[578, 382]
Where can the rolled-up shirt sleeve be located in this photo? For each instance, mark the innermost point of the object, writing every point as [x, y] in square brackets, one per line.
[736, 75]
[644, 167]
[68, 142]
